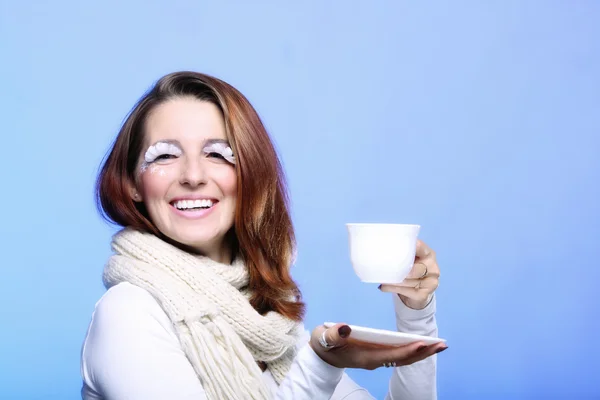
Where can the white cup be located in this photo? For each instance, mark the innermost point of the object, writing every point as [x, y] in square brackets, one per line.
[382, 253]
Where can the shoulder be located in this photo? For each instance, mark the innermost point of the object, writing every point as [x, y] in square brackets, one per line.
[125, 305]
[126, 308]
[125, 298]
[127, 327]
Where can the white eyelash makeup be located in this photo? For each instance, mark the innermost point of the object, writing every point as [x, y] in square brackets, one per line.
[220, 148]
[159, 149]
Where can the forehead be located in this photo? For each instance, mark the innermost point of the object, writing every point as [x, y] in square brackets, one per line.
[186, 120]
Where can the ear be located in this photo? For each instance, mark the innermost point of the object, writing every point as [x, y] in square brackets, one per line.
[134, 193]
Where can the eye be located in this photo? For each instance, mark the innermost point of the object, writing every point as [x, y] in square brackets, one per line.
[214, 154]
[220, 151]
[165, 157]
[161, 151]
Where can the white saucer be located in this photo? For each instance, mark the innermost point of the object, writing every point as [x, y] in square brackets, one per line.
[381, 336]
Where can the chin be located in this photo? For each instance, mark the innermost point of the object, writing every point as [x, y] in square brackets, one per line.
[197, 240]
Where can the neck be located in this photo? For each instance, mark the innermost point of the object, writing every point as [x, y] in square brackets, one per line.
[221, 253]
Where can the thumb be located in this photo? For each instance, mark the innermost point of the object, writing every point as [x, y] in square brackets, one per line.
[337, 335]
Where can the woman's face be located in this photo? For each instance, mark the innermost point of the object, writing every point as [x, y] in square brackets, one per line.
[186, 175]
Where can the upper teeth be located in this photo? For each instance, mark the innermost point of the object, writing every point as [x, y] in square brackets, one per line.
[185, 204]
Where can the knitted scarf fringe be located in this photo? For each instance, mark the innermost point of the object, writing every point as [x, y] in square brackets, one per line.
[221, 334]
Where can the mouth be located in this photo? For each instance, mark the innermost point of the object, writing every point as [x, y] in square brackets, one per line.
[194, 205]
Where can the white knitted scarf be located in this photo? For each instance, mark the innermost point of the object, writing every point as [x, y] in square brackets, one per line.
[221, 334]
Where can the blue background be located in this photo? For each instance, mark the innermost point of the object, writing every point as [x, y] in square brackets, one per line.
[477, 120]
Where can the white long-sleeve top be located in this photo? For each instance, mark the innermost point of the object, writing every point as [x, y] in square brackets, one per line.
[131, 352]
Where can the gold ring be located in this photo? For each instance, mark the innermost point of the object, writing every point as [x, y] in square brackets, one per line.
[424, 273]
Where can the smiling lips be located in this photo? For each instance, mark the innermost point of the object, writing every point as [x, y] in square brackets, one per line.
[193, 208]
[193, 204]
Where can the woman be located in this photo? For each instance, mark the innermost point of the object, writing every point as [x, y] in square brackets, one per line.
[200, 302]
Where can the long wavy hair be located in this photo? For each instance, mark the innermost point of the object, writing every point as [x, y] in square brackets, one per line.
[262, 234]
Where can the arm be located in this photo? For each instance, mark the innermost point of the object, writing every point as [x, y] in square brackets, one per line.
[311, 378]
[418, 380]
[415, 381]
[132, 352]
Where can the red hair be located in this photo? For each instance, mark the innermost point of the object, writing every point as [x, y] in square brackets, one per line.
[262, 234]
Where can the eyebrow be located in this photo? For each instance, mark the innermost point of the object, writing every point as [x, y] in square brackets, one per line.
[168, 141]
[175, 142]
[208, 142]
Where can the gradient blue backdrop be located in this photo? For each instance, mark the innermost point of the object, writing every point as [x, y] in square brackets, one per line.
[477, 120]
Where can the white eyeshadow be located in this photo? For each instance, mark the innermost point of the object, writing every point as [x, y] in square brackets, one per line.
[222, 149]
[159, 149]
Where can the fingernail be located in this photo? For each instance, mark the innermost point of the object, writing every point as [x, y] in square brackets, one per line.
[344, 331]
[379, 287]
[441, 349]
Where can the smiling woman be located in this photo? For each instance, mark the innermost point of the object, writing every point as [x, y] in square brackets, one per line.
[171, 148]
[187, 178]
[200, 302]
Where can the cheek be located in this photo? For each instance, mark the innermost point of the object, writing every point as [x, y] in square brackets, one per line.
[228, 185]
[228, 182]
[156, 179]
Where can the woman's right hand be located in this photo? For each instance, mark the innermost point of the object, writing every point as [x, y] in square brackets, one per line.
[350, 353]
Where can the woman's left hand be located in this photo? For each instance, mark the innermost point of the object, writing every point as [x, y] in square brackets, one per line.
[417, 289]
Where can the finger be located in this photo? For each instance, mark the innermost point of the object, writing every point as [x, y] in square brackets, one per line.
[337, 335]
[420, 295]
[418, 271]
[423, 250]
[388, 287]
[422, 353]
[399, 355]
[368, 345]
[430, 283]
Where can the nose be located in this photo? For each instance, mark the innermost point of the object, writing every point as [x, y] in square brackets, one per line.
[193, 173]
